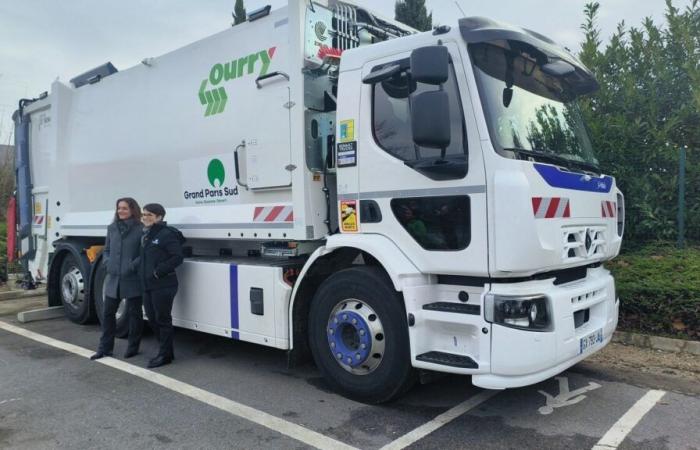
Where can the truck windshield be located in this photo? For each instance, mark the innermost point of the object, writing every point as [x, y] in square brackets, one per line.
[531, 114]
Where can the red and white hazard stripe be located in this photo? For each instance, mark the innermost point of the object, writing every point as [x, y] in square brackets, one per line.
[273, 214]
[38, 220]
[550, 207]
[608, 208]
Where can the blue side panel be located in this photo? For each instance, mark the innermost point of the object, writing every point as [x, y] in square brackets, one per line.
[572, 180]
[24, 181]
[233, 277]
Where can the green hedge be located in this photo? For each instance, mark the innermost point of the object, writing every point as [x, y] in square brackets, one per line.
[659, 290]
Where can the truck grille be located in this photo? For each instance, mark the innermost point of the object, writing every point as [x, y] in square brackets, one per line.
[582, 243]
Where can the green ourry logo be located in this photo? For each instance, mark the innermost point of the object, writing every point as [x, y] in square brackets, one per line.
[214, 97]
[216, 173]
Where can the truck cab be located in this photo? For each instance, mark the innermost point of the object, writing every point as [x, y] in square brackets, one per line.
[462, 151]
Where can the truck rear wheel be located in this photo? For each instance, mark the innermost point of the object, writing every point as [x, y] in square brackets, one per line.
[359, 335]
[73, 289]
[122, 328]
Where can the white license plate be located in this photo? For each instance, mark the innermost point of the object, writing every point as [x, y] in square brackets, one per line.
[588, 342]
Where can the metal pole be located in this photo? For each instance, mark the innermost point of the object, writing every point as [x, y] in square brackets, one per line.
[681, 199]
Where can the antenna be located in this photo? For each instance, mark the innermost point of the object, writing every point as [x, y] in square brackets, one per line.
[460, 8]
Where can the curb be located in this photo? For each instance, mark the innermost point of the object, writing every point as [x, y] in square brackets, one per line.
[12, 295]
[657, 342]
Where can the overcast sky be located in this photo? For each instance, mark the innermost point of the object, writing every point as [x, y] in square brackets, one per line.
[41, 40]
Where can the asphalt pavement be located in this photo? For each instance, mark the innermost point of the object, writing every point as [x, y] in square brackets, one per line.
[220, 393]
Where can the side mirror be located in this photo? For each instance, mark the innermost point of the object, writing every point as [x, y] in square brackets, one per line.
[430, 64]
[430, 119]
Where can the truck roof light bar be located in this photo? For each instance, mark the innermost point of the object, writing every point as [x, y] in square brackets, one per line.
[259, 13]
[94, 75]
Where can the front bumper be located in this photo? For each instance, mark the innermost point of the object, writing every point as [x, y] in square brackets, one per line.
[520, 358]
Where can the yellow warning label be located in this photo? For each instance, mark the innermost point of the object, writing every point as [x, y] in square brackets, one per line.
[348, 215]
[37, 207]
[347, 130]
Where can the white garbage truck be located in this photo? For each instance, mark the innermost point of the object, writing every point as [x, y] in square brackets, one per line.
[386, 201]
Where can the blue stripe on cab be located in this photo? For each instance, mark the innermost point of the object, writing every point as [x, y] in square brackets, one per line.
[574, 180]
[233, 278]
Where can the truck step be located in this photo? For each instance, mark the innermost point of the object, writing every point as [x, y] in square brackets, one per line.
[448, 359]
[459, 308]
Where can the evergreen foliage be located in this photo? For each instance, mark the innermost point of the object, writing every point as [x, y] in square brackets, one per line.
[647, 108]
[413, 14]
[239, 13]
[659, 290]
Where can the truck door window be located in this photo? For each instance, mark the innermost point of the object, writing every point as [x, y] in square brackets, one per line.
[391, 120]
[436, 223]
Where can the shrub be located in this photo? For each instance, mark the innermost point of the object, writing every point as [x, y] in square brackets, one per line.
[659, 290]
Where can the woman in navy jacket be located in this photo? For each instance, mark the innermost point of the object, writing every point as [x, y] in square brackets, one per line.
[161, 253]
[122, 246]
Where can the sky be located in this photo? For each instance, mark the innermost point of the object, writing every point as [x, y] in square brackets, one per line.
[41, 40]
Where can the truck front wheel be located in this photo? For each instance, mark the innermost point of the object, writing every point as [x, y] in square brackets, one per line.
[358, 335]
[73, 290]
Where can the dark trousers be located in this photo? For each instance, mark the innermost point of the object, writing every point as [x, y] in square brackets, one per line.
[134, 313]
[158, 304]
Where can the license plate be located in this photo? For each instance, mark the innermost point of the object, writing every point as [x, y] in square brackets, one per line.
[590, 341]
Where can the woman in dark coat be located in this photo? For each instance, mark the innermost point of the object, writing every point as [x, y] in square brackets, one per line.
[122, 246]
[161, 253]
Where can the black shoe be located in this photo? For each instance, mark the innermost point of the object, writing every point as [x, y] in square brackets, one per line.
[159, 361]
[100, 354]
[129, 353]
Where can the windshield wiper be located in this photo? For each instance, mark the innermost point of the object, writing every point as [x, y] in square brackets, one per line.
[556, 159]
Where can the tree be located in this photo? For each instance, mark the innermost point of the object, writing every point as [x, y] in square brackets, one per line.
[648, 106]
[413, 14]
[239, 13]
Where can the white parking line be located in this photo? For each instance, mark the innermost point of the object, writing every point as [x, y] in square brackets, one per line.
[441, 420]
[629, 420]
[269, 421]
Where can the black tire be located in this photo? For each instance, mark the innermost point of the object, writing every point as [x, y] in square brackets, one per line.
[122, 328]
[73, 290]
[364, 294]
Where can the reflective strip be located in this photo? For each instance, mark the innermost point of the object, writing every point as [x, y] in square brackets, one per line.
[406, 193]
[608, 208]
[277, 213]
[551, 207]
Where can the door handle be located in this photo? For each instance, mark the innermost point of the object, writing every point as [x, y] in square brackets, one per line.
[235, 161]
[270, 75]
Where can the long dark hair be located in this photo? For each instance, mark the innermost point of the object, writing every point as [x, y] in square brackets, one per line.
[133, 207]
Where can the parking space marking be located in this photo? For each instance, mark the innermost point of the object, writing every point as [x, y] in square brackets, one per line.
[565, 396]
[615, 435]
[248, 413]
[441, 420]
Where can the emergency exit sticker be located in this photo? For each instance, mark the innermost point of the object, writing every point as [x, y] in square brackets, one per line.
[347, 130]
[348, 215]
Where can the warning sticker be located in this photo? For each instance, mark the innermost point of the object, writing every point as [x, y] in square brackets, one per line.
[347, 130]
[348, 215]
[347, 154]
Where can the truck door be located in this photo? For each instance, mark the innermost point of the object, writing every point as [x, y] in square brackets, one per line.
[437, 216]
[268, 140]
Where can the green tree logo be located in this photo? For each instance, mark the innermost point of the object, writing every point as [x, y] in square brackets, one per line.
[216, 173]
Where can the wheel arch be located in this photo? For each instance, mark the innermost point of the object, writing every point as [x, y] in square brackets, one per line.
[76, 248]
[341, 252]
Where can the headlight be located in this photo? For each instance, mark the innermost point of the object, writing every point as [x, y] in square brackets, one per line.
[529, 312]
